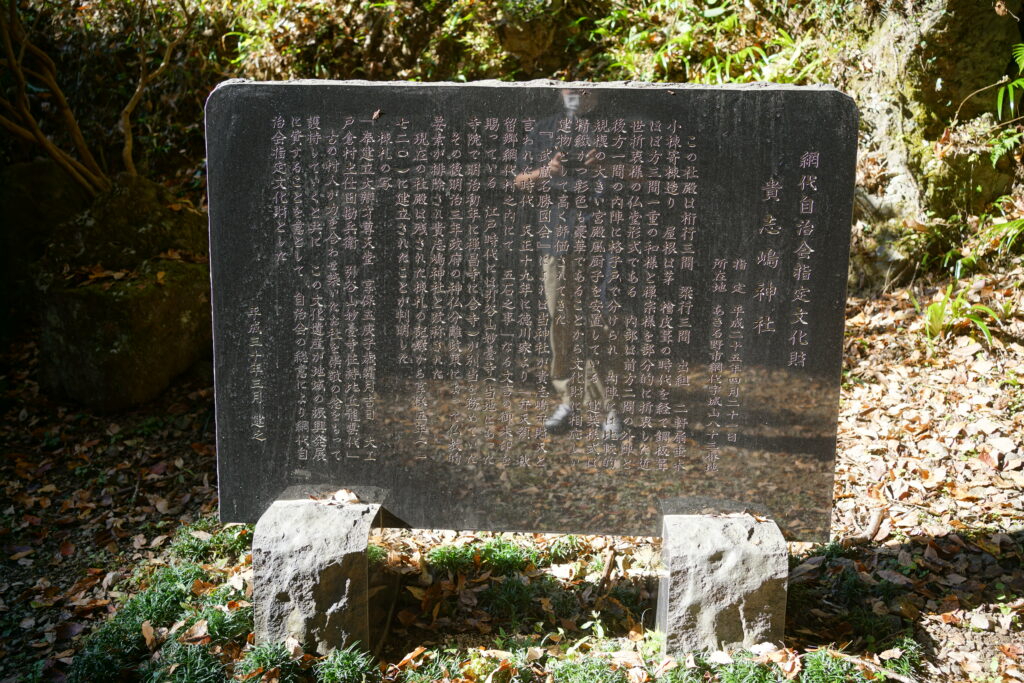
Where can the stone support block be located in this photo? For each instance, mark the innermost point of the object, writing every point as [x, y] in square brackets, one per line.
[310, 573]
[724, 584]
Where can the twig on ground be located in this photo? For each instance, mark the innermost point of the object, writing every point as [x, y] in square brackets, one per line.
[873, 525]
[609, 565]
[876, 668]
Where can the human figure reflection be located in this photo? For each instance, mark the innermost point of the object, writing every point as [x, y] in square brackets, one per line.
[575, 270]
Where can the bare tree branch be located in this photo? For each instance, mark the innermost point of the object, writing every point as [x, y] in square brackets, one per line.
[15, 128]
[145, 79]
[86, 171]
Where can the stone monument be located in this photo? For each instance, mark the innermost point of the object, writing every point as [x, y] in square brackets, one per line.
[620, 303]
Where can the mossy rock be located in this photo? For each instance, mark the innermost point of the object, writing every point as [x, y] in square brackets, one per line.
[115, 344]
[537, 33]
[136, 220]
[966, 47]
[112, 344]
[962, 180]
[921, 65]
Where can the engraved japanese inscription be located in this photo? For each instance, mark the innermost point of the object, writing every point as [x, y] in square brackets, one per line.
[538, 306]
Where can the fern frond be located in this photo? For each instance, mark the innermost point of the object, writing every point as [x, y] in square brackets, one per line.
[1018, 56]
[1004, 143]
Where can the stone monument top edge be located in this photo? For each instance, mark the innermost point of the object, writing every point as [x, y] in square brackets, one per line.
[669, 88]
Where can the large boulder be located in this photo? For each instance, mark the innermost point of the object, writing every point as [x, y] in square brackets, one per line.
[136, 220]
[920, 74]
[917, 72]
[115, 344]
[125, 305]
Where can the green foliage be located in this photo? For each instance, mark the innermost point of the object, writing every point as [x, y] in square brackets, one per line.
[722, 41]
[831, 551]
[524, 10]
[437, 665]
[1003, 143]
[109, 650]
[746, 670]
[161, 602]
[453, 559]
[908, 663]
[1005, 235]
[504, 557]
[848, 589]
[595, 626]
[588, 670]
[939, 245]
[104, 44]
[500, 555]
[101, 50]
[271, 656]
[509, 599]
[682, 674]
[350, 665]
[221, 595]
[225, 625]
[376, 554]
[207, 541]
[118, 644]
[564, 603]
[951, 312]
[627, 595]
[1008, 93]
[565, 549]
[481, 667]
[516, 598]
[823, 667]
[179, 663]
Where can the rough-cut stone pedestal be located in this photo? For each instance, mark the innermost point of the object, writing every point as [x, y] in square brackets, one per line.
[725, 582]
[309, 562]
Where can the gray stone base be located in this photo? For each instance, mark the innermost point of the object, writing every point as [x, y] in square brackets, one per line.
[725, 582]
[310, 573]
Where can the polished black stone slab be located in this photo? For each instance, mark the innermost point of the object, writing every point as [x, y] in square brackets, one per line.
[409, 278]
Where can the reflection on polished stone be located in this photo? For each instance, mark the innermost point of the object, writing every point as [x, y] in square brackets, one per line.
[531, 306]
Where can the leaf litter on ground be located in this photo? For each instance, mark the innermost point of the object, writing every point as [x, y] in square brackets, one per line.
[928, 528]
